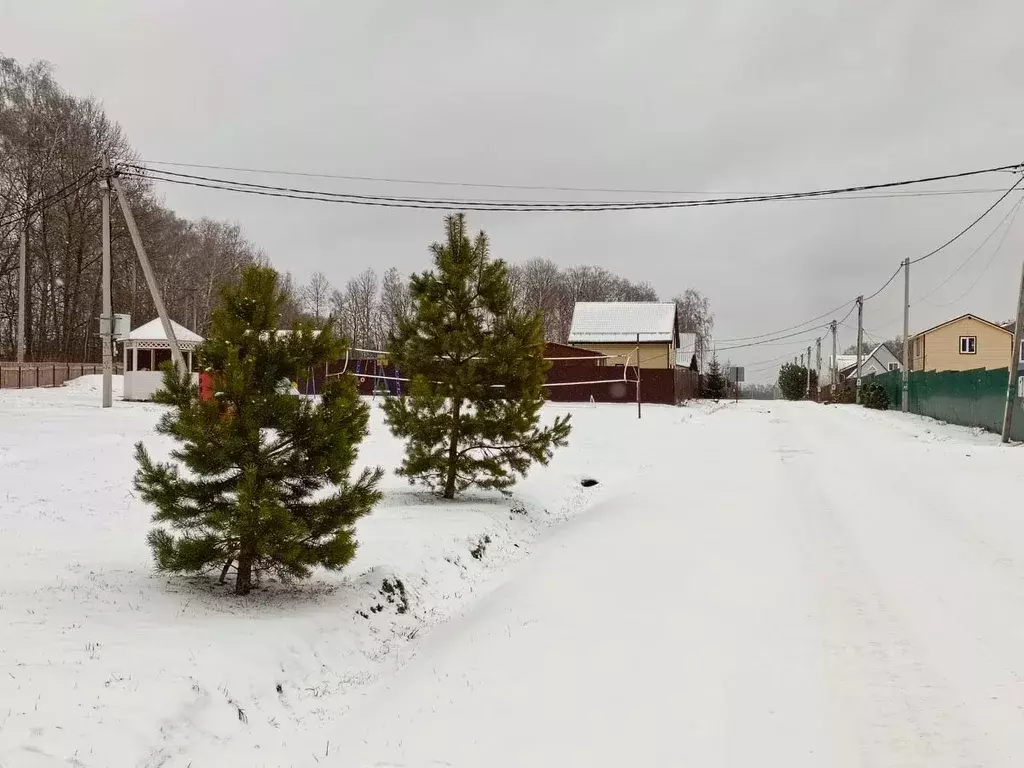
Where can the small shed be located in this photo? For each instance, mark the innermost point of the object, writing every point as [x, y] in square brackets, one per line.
[146, 349]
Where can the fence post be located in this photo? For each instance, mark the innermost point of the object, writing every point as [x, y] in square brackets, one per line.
[53, 376]
[19, 377]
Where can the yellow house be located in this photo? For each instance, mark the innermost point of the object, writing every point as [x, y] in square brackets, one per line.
[964, 343]
[619, 328]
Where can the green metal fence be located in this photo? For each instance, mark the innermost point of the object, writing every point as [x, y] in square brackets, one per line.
[969, 398]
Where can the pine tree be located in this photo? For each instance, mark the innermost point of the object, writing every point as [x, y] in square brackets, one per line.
[715, 385]
[246, 484]
[693, 363]
[793, 381]
[477, 365]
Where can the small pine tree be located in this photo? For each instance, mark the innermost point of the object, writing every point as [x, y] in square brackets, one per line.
[477, 365]
[875, 396]
[715, 385]
[257, 458]
[793, 381]
[693, 363]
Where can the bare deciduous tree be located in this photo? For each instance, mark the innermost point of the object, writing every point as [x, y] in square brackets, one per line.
[316, 295]
[50, 144]
[695, 317]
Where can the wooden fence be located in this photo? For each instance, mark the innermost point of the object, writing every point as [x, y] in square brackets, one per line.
[27, 375]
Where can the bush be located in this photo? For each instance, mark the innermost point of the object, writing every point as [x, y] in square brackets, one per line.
[874, 396]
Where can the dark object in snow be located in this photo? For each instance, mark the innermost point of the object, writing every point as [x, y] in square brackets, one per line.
[279, 688]
[395, 591]
[588, 482]
[477, 552]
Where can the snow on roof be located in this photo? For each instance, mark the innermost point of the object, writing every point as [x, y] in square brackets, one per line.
[845, 361]
[621, 321]
[154, 331]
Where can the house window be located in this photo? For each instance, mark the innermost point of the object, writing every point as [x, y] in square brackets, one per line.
[896, 366]
[968, 345]
[1021, 358]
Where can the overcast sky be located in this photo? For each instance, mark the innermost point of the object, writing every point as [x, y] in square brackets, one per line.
[702, 96]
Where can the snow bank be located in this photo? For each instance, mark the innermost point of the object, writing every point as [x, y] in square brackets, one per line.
[110, 664]
[92, 384]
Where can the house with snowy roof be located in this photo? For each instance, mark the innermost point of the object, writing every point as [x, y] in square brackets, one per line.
[622, 330]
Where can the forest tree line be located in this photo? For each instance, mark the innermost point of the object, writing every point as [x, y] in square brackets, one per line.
[50, 140]
[368, 307]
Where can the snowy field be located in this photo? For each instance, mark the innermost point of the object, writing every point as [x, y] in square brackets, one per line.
[761, 584]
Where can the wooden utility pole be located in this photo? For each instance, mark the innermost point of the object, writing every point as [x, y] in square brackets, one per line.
[834, 368]
[22, 276]
[860, 340]
[1011, 384]
[905, 378]
[107, 318]
[147, 271]
[807, 391]
[817, 368]
[638, 376]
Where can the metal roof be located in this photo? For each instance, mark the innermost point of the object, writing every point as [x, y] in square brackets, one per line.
[597, 322]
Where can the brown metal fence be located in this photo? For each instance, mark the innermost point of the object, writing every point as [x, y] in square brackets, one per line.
[27, 375]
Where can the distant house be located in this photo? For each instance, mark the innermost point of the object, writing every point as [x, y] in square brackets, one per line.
[964, 343]
[880, 360]
[843, 365]
[618, 328]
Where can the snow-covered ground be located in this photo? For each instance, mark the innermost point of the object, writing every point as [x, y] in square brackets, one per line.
[765, 584]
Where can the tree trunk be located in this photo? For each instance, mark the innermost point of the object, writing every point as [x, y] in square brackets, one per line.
[243, 577]
[453, 451]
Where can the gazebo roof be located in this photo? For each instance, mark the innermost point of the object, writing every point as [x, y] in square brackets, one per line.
[154, 331]
[151, 335]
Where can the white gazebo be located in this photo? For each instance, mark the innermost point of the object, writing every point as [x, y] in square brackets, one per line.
[146, 349]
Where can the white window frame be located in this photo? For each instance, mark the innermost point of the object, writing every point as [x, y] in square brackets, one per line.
[894, 366]
[971, 345]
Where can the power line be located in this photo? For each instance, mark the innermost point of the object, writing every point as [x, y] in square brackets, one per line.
[790, 328]
[772, 341]
[985, 269]
[512, 206]
[526, 187]
[52, 198]
[970, 226]
[1012, 212]
[885, 284]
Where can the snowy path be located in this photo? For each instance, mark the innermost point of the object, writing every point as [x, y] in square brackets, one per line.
[801, 587]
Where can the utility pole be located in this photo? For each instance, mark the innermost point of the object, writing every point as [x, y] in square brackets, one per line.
[817, 367]
[905, 378]
[801, 359]
[1011, 385]
[638, 376]
[860, 340]
[807, 392]
[107, 318]
[147, 271]
[834, 368]
[22, 276]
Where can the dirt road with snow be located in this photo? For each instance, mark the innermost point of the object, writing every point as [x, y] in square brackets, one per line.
[783, 585]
